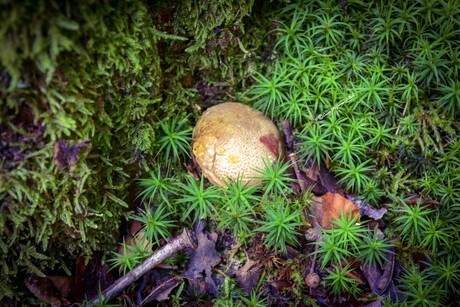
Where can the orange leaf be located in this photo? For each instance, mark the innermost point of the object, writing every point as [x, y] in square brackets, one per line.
[329, 207]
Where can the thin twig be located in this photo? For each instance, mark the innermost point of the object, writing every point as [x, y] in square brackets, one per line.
[287, 130]
[404, 113]
[313, 262]
[317, 228]
[185, 239]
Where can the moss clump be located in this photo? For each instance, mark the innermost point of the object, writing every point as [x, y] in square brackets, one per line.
[83, 85]
[371, 89]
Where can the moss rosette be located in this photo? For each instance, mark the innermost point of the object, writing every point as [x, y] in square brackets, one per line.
[231, 140]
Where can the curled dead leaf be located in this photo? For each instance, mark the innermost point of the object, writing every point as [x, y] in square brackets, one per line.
[248, 275]
[161, 293]
[47, 290]
[330, 206]
[203, 258]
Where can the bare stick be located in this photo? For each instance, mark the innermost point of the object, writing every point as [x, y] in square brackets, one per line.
[299, 176]
[185, 239]
[404, 112]
[313, 262]
[287, 129]
[318, 230]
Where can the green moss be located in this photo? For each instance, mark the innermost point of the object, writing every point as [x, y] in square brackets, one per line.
[371, 91]
[83, 86]
[369, 88]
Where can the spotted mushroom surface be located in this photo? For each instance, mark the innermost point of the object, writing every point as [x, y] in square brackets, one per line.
[232, 139]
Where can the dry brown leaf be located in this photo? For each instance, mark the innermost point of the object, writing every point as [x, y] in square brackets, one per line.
[327, 180]
[330, 206]
[319, 178]
[380, 279]
[135, 227]
[139, 240]
[45, 290]
[312, 172]
[370, 211]
[413, 199]
[161, 293]
[64, 284]
[203, 258]
[281, 285]
[64, 290]
[248, 275]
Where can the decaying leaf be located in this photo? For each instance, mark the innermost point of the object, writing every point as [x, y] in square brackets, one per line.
[312, 172]
[248, 275]
[355, 275]
[204, 258]
[139, 241]
[368, 210]
[64, 290]
[311, 178]
[93, 276]
[377, 303]
[66, 154]
[327, 180]
[415, 198]
[280, 285]
[381, 279]
[46, 290]
[330, 206]
[161, 293]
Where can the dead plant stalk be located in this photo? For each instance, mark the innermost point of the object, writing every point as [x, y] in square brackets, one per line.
[186, 239]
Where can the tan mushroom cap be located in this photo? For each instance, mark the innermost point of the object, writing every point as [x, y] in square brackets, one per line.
[232, 139]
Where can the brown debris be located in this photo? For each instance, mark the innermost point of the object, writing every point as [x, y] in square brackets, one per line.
[45, 289]
[248, 275]
[203, 258]
[330, 206]
[161, 293]
[312, 280]
[64, 290]
[66, 154]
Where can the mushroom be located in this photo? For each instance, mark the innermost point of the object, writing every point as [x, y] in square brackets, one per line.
[232, 140]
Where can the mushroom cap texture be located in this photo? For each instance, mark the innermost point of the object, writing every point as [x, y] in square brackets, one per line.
[231, 140]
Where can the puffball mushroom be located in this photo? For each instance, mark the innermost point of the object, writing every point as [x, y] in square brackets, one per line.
[231, 140]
